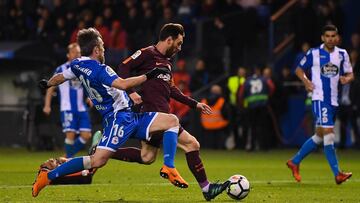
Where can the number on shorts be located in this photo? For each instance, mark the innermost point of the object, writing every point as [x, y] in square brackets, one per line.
[118, 131]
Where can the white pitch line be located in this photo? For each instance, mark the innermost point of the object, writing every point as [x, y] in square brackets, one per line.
[320, 182]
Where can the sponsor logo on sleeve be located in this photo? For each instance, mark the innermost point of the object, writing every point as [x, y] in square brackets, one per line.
[110, 71]
[303, 61]
[136, 54]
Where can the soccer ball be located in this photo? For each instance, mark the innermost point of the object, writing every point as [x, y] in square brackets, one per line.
[239, 187]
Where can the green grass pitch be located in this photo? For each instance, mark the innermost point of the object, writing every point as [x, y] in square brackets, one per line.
[270, 179]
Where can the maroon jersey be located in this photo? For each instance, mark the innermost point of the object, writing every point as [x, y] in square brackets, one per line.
[155, 93]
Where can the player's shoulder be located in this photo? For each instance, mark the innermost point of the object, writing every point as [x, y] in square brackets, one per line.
[143, 53]
[340, 50]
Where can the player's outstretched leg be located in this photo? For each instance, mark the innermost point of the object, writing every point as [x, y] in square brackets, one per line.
[310, 145]
[330, 153]
[215, 189]
[191, 146]
[168, 170]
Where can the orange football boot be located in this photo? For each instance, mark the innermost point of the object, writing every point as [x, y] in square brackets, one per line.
[40, 182]
[342, 177]
[294, 169]
[174, 177]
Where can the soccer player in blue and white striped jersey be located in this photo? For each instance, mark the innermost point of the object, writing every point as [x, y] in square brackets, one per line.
[73, 110]
[328, 65]
[106, 90]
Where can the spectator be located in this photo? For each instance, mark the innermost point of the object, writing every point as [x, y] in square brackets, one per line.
[216, 124]
[237, 114]
[81, 25]
[200, 77]
[181, 75]
[104, 31]
[118, 37]
[254, 95]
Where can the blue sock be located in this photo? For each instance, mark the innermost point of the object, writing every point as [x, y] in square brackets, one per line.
[78, 145]
[69, 147]
[331, 158]
[169, 145]
[74, 165]
[305, 149]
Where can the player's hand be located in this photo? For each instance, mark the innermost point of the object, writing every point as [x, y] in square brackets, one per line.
[156, 71]
[43, 84]
[205, 109]
[344, 80]
[89, 102]
[309, 86]
[47, 110]
[136, 98]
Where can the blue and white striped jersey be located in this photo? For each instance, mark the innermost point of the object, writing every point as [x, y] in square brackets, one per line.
[71, 93]
[96, 79]
[325, 70]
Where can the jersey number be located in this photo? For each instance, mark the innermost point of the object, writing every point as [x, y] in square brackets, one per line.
[93, 94]
[117, 131]
[256, 86]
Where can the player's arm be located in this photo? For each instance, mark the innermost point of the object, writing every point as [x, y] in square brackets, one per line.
[57, 79]
[47, 101]
[309, 86]
[348, 75]
[192, 103]
[125, 84]
[305, 64]
[347, 78]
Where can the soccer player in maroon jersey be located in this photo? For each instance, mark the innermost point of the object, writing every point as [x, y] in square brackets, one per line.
[155, 96]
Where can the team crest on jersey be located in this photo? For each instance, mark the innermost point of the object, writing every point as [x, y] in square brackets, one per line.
[110, 71]
[115, 140]
[329, 70]
[136, 54]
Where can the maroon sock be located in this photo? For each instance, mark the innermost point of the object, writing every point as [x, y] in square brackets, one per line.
[196, 167]
[129, 154]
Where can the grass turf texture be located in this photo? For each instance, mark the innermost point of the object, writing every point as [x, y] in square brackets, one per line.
[270, 179]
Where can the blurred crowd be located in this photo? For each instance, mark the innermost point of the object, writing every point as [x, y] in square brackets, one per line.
[239, 25]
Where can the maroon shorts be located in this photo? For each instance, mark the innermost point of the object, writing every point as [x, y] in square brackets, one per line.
[156, 138]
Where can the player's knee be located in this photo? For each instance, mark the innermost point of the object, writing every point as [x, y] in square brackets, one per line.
[86, 136]
[98, 162]
[148, 158]
[329, 139]
[173, 120]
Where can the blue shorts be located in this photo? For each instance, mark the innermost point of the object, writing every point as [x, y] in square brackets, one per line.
[324, 114]
[73, 121]
[124, 125]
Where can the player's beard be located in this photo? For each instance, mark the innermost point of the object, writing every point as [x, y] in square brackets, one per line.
[102, 59]
[171, 52]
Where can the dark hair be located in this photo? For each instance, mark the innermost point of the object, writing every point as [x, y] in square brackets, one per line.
[171, 29]
[329, 28]
[88, 39]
